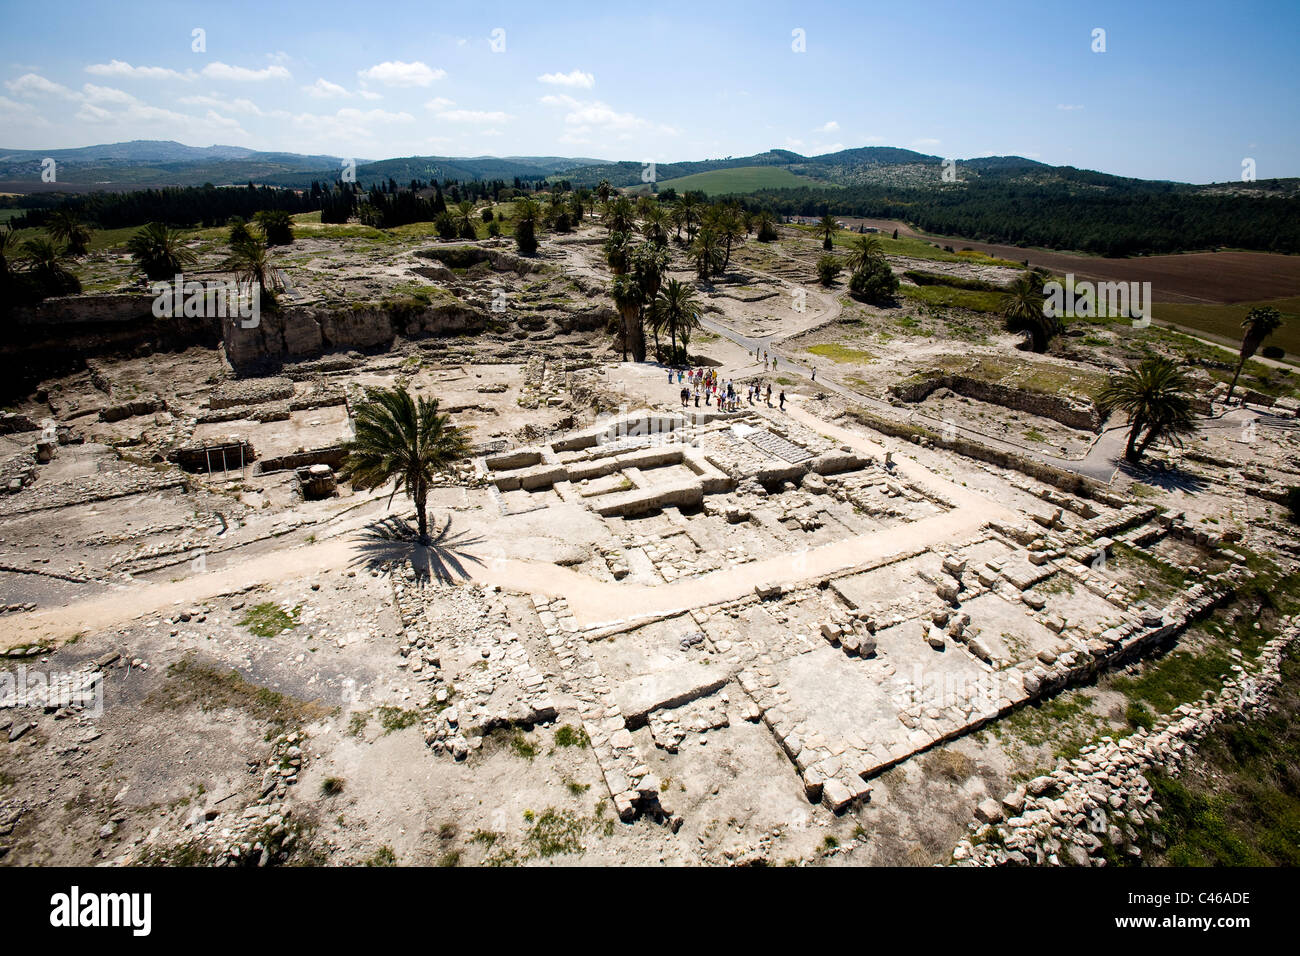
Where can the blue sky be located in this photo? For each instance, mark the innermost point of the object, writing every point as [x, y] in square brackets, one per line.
[1184, 90]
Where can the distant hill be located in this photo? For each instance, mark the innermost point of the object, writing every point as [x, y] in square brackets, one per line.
[155, 163]
[1005, 199]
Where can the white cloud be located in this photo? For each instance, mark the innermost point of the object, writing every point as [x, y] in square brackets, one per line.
[348, 132]
[397, 73]
[349, 114]
[122, 68]
[131, 117]
[595, 114]
[560, 99]
[14, 106]
[107, 94]
[242, 74]
[830, 127]
[574, 78]
[324, 89]
[237, 105]
[439, 103]
[33, 84]
[474, 116]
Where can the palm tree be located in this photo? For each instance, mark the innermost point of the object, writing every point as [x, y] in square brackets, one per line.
[158, 252]
[864, 251]
[405, 441]
[463, 217]
[731, 228]
[1023, 311]
[8, 247]
[675, 306]
[827, 229]
[64, 226]
[1260, 322]
[253, 264]
[603, 190]
[654, 227]
[1156, 398]
[626, 294]
[677, 216]
[527, 212]
[648, 263]
[689, 206]
[616, 252]
[45, 264]
[8, 279]
[706, 250]
[765, 223]
[277, 226]
[620, 215]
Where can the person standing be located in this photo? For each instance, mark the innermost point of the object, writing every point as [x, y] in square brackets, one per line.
[782, 399]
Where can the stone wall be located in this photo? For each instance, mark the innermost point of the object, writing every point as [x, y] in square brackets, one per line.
[296, 333]
[1074, 413]
[59, 335]
[1102, 802]
[1064, 480]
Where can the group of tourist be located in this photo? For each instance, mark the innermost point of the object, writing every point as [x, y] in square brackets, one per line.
[705, 382]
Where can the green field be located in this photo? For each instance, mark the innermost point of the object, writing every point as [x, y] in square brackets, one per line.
[718, 182]
[913, 248]
[1225, 320]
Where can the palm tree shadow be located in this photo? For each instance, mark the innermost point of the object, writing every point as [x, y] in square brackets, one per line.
[1163, 477]
[394, 540]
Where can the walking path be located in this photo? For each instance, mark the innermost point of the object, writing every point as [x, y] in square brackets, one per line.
[592, 602]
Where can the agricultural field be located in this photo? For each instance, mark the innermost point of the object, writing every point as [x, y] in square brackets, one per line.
[740, 179]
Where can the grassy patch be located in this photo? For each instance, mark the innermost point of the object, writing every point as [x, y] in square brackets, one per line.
[1177, 678]
[1065, 721]
[566, 735]
[841, 353]
[555, 832]
[268, 619]
[396, 718]
[950, 765]
[384, 856]
[942, 295]
[1238, 804]
[1159, 580]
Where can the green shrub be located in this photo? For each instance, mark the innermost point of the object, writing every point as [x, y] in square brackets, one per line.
[874, 282]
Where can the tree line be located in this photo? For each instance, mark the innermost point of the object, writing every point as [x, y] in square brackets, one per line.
[1112, 221]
